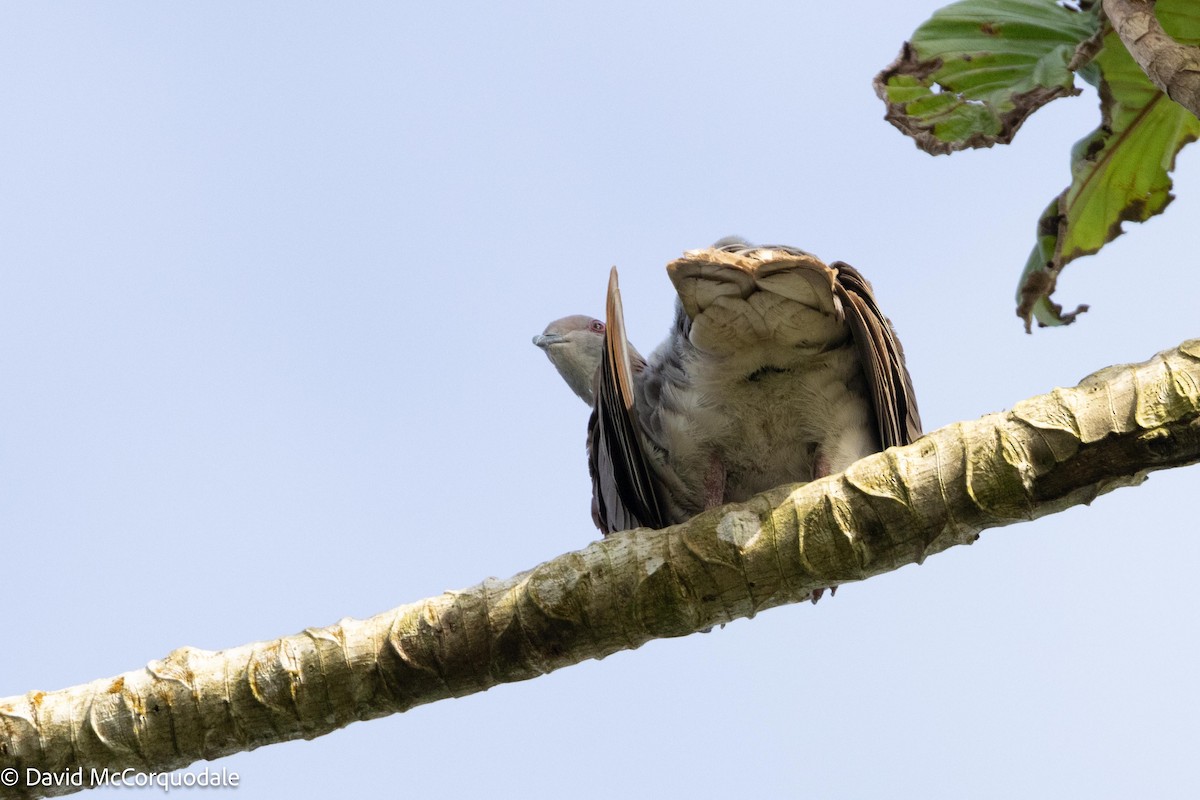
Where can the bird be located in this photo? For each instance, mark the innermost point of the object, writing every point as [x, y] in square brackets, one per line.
[778, 369]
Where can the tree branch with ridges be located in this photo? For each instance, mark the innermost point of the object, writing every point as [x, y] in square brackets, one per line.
[895, 508]
[1172, 67]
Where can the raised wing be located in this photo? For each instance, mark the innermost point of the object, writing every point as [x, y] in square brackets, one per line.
[626, 492]
[882, 359]
[772, 301]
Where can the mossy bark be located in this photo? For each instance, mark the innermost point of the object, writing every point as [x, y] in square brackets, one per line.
[895, 508]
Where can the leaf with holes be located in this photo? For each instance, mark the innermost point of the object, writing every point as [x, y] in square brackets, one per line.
[977, 69]
[1119, 172]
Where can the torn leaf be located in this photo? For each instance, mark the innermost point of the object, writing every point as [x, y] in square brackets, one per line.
[977, 69]
[1120, 172]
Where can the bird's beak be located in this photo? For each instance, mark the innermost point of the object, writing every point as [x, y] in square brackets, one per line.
[544, 340]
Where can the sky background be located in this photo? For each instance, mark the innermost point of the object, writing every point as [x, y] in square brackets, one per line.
[268, 278]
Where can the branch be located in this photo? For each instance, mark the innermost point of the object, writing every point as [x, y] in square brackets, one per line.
[895, 508]
[1171, 66]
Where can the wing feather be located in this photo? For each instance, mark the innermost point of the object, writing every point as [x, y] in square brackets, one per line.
[626, 492]
[882, 359]
[720, 286]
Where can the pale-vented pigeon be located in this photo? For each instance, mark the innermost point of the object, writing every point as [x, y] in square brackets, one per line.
[778, 369]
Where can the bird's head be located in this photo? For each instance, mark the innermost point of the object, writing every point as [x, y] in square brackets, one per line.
[574, 346]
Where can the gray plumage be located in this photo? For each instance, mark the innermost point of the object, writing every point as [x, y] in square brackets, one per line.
[574, 345]
[778, 369]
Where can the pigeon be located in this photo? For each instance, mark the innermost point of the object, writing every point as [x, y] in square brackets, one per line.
[778, 369]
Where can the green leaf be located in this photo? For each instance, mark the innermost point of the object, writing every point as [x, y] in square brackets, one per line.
[977, 69]
[1180, 19]
[1121, 171]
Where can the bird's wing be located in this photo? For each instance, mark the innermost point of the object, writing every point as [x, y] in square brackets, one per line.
[626, 492]
[882, 358]
[747, 300]
[743, 301]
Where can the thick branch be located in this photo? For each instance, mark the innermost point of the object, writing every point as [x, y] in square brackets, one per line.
[892, 509]
[1171, 66]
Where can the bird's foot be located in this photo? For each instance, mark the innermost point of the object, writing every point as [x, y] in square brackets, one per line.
[819, 593]
[714, 483]
[820, 468]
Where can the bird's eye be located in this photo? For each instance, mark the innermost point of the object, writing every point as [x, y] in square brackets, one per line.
[597, 326]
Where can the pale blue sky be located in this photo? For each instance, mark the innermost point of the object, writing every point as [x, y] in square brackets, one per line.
[269, 277]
